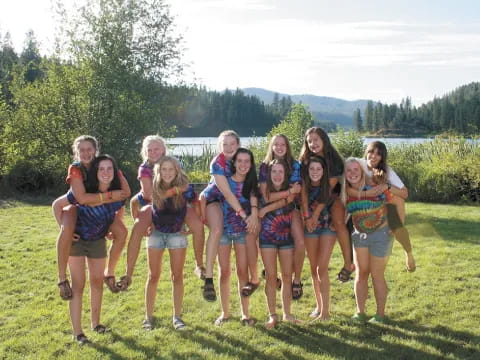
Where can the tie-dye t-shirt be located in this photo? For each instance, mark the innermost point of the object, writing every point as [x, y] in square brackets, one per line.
[276, 226]
[325, 218]
[76, 170]
[233, 224]
[168, 219]
[294, 176]
[145, 170]
[219, 166]
[368, 214]
[211, 193]
[93, 221]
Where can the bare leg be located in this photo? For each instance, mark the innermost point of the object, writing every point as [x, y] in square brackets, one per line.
[325, 248]
[215, 223]
[252, 256]
[77, 271]
[64, 240]
[298, 237]
[312, 246]
[95, 270]
[120, 233]
[338, 217]
[224, 279]
[402, 235]
[134, 207]
[286, 266]
[377, 268]
[196, 226]
[177, 262]
[242, 275]
[362, 272]
[154, 271]
[140, 226]
[269, 258]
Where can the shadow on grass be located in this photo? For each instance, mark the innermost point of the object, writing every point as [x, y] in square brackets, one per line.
[337, 340]
[447, 229]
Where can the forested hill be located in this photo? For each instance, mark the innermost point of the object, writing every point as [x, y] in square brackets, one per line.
[457, 111]
[324, 108]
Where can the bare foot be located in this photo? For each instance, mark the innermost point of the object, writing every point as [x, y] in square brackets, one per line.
[322, 318]
[272, 321]
[410, 262]
[291, 320]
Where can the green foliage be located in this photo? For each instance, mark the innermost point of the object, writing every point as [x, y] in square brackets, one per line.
[348, 143]
[444, 170]
[430, 311]
[293, 126]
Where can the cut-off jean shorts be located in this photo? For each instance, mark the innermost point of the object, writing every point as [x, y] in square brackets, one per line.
[379, 242]
[320, 232]
[159, 240]
[232, 239]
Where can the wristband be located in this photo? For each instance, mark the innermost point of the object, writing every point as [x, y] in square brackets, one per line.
[110, 195]
[177, 191]
[101, 197]
[254, 206]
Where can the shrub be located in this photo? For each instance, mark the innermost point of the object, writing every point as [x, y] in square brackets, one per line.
[348, 143]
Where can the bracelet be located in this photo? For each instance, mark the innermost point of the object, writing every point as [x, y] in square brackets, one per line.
[101, 197]
[110, 195]
[254, 206]
[177, 191]
[305, 214]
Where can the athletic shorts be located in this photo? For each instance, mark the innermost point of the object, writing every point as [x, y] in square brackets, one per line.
[159, 240]
[379, 243]
[93, 249]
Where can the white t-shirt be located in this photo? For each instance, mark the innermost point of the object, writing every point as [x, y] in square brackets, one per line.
[392, 176]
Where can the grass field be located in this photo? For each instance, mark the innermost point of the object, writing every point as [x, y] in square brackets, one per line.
[433, 313]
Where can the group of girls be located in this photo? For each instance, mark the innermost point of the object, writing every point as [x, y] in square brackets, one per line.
[292, 207]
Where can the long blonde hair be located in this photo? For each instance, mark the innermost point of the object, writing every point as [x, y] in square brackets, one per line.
[226, 133]
[363, 179]
[160, 188]
[149, 139]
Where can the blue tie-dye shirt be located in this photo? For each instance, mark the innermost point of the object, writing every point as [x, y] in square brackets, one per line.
[233, 224]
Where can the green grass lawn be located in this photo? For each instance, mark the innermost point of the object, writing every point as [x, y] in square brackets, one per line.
[433, 312]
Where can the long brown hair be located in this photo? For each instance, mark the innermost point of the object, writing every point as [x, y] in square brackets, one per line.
[324, 192]
[160, 188]
[380, 171]
[285, 184]
[288, 154]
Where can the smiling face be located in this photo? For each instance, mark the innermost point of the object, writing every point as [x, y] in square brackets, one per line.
[168, 172]
[279, 147]
[228, 146]
[277, 173]
[315, 172]
[85, 152]
[155, 150]
[242, 164]
[315, 143]
[353, 173]
[373, 158]
[105, 174]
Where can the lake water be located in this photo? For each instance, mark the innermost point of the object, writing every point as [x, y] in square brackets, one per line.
[196, 145]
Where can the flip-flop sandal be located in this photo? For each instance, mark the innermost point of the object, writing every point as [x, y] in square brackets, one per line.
[297, 291]
[314, 314]
[220, 321]
[248, 321]
[100, 329]
[147, 324]
[124, 282]
[178, 324]
[65, 290]
[209, 292]
[81, 339]
[272, 321]
[249, 289]
[344, 275]
[111, 283]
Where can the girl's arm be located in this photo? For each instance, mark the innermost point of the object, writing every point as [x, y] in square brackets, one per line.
[403, 192]
[146, 188]
[279, 195]
[312, 222]
[372, 192]
[202, 206]
[252, 219]
[222, 184]
[84, 198]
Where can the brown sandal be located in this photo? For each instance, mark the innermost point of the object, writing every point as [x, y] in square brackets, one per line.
[297, 290]
[249, 288]
[124, 282]
[65, 290]
[111, 283]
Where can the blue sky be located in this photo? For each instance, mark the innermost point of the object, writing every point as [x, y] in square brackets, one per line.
[380, 50]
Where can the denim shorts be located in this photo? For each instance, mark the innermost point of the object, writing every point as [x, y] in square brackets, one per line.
[320, 232]
[379, 242]
[93, 249]
[270, 245]
[159, 240]
[229, 239]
